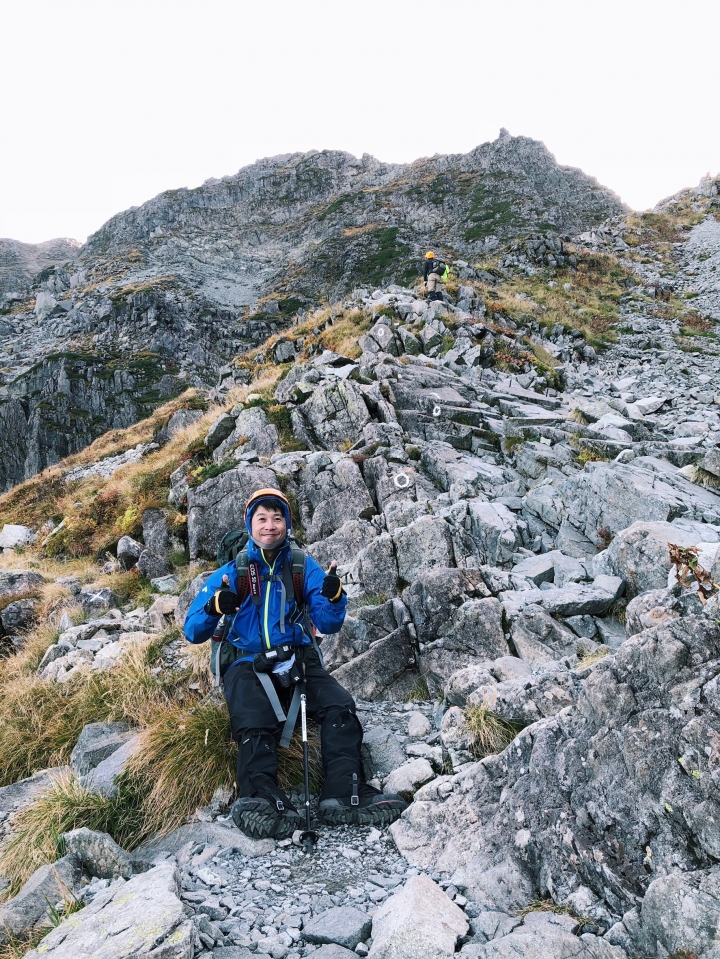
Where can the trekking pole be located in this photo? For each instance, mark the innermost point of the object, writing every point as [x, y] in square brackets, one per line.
[307, 838]
[219, 636]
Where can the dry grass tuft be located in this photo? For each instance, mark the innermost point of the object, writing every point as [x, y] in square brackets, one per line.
[699, 476]
[40, 720]
[17, 948]
[35, 839]
[491, 734]
[185, 755]
[591, 658]
[577, 416]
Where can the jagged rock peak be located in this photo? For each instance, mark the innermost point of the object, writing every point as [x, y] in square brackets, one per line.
[20, 262]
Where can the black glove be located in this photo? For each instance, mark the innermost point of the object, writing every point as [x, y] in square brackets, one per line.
[222, 602]
[332, 584]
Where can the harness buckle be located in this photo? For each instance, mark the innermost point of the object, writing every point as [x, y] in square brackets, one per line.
[355, 799]
[280, 805]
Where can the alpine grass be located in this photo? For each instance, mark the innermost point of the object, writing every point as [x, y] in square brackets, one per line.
[490, 733]
[591, 658]
[35, 839]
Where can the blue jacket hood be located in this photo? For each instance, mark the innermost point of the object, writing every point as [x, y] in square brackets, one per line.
[275, 502]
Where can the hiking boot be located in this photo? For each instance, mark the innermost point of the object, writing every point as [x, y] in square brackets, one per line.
[262, 818]
[362, 805]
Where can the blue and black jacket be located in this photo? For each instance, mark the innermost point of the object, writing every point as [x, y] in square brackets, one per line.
[257, 627]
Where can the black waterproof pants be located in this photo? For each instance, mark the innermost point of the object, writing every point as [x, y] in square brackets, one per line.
[256, 730]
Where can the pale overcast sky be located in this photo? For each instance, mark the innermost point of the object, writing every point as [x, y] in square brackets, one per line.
[106, 103]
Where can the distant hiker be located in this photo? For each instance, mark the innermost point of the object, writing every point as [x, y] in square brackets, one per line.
[272, 605]
[434, 273]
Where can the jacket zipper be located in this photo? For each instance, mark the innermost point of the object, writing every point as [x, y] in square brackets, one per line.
[267, 600]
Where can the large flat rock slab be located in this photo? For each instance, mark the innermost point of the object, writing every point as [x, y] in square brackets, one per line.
[210, 833]
[142, 917]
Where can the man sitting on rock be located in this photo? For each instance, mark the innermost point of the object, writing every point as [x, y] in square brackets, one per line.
[269, 621]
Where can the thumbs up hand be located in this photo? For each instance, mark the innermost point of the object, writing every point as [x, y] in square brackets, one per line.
[332, 584]
[224, 601]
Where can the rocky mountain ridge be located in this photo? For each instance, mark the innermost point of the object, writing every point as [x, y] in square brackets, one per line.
[545, 558]
[528, 526]
[164, 295]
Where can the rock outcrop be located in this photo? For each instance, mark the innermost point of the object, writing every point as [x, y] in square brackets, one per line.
[528, 533]
[163, 296]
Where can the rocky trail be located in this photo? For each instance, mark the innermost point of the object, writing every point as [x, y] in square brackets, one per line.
[528, 527]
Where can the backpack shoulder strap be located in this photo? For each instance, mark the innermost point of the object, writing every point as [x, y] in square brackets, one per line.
[294, 576]
[241, 565]
[299, 560]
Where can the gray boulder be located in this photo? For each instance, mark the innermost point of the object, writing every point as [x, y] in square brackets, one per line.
[18, 795]
[578, 599]
[19, 581]
[525, 701]
[12, 536]
[463, 682]
[208, 834]
[653, 608]
[539, 639]
[636, 740]
[473, 632]
[344, 544]
[434, 594]
[545, 944]
[253, 427]
[609, 497]
[97, 853]
[571, 542]
[387, 670]
[95, 599]
[152, 565]
[408, 778]
[418, 922]
[682, 912]
[330, 495]
[101, 779]
[218, 505]
[382, 752]
[169, 584]
[568, 569]
[359, 631]
[143, 917]
[328, 951]
[376, 568]
[335, 413]
[31, 907]
[640, 554]
[343, 925]
[537, 569]
[18, 616]
[494, 529]
[162, 611]
[284, 350]
[128, 551]
[219, 431]
[711, 461]
[95, 743]
[423, 545]
[155, 531]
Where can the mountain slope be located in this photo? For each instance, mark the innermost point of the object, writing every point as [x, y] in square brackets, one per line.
[163, 296]
[320, 223]
[21, 262]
